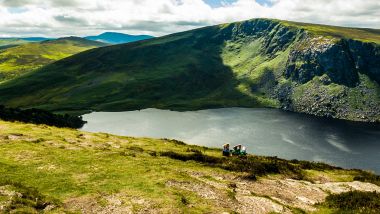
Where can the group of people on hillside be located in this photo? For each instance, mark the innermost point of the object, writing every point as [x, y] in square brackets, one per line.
[237, 150]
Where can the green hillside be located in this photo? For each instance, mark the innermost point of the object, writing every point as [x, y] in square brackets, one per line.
[360, 34]
[24, 58]
[50, 170]
[321, 70]
[4, 42]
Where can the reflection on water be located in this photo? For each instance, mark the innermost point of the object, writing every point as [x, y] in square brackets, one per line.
[263, 131]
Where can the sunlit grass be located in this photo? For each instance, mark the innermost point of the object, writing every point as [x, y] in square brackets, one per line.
[24, 58]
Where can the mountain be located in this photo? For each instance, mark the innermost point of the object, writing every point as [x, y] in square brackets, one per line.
[24, 58]
[108, 37]
[118, 38]
[5, 42]
[315, 69]
[36, 39]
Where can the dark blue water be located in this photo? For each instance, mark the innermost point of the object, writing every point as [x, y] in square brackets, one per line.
[263, 131]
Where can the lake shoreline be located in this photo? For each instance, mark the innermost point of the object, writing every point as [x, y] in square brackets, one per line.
[262, 130]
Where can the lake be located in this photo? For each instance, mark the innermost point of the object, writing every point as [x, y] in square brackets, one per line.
[263, 131]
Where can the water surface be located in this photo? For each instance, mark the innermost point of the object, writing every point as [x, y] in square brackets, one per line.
[264, 132]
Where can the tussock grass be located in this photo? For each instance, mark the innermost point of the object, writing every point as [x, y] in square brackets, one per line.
[368, 177]
[354, 202]
[254, 165]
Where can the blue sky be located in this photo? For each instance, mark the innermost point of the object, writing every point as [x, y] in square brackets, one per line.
[56, 18]
[220, 3]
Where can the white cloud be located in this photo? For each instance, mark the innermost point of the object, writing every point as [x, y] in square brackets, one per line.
[159, 17]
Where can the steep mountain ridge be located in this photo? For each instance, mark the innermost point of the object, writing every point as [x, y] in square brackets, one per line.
[315, 69]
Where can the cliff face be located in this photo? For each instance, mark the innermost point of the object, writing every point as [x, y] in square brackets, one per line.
[334, 78]
[366, 57]
[341, 60]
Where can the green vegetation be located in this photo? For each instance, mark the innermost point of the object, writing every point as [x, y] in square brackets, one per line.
[48, 169]
[361, 34]
[353, 202]
[253, 165]
[10, 42]
[368, 177]
[21, 59]
[37, 116]
[255, 63]
[30, 200]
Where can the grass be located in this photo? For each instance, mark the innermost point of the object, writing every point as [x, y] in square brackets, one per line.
[360, 34]
[29, 201]
[62, 167]
[253, 165]
[131, 83]
[67, 164]
[11, 41]
[368, 177]
[353, 202]
[25, 58]
[363, 98]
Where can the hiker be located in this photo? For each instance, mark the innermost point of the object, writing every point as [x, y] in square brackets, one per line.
[239, 150]
[236, 150]
[243, 151]
[226, 150]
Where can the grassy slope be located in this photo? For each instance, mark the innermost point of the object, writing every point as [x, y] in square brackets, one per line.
[8, 42]
[360, 34]
[119, 77]
[24, 58]
[75, 167]
[218, 66]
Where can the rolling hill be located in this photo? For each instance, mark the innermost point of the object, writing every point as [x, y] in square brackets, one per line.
[5, 42]
[316, 69]
[18, 60]
[117, 38]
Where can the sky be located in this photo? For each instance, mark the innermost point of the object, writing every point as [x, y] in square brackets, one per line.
[58, 18]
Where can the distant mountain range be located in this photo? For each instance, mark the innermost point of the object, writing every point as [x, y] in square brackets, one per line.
[117, 38]
[23, 55]
[36, 39]
[107, 37]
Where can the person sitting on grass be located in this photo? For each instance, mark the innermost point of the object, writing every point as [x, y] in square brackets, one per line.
[226, 150]
[239, 150]
[236, 150]
[243, 151]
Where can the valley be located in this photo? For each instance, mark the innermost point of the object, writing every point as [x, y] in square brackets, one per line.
[315, 69]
